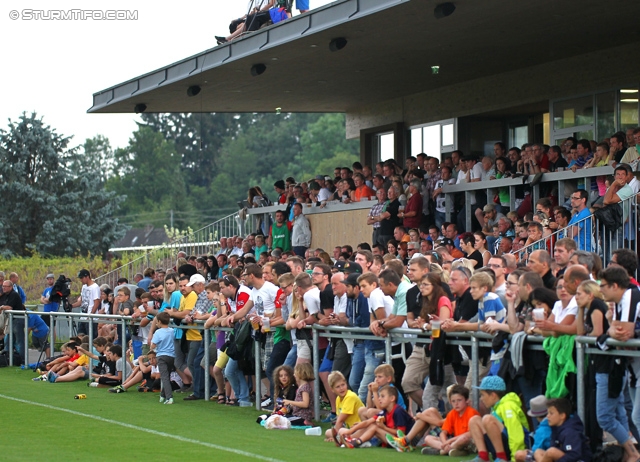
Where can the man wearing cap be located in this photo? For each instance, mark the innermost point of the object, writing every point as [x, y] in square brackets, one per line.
[89, 301]
[451, 248]
[200, 312]
[491, 218]
[300, 232]
[49, 306]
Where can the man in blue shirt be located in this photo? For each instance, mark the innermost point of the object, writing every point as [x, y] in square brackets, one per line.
[581, 222]
[49, 306]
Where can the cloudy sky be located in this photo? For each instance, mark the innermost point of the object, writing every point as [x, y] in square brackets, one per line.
[53, 67]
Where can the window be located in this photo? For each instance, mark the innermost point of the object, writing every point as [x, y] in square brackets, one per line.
[434, 139]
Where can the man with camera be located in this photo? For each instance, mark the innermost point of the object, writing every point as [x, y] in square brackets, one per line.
[89, 301]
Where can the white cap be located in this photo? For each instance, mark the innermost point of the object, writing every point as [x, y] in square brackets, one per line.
[416, 255]
[195, 279]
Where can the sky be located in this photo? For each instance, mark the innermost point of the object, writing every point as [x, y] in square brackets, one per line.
[53, 67]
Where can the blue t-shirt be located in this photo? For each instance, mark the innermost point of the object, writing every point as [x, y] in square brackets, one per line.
[583, 221]
[542, 436]
[163, 339]
[491, 307]
[39, 328]
[51, 306]
[144, 283]
[20, 291]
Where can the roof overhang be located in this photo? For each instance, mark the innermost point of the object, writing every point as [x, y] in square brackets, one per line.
[392, 45]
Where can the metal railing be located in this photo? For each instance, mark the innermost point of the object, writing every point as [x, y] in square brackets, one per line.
[474, 339]
[204, 241]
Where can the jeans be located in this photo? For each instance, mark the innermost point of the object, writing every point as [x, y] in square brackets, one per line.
[194, 346]
[277, 358]
[357, 366]
[292, 357]
[165, 365]
[440, 217]
[197, 372]
[299, 250]
[372, 359]
[611, 414]
[237, 380]
[635, 414]
[18, 338]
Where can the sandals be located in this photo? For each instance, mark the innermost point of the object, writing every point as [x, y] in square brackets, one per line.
[336, 437]
[232, 402]
[222, 399]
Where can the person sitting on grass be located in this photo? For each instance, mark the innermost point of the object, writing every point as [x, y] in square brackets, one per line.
[162, 343]
[146, 371]
[97, 356]
[75, 370]
[69, 354]
[569, 441]
[301, 407]
[384, 375]
[454, 439]
[391, 421]
[62, 369]
[504, 431]
[284, 388]
[115, 376]
[542, 436]
[347, 405]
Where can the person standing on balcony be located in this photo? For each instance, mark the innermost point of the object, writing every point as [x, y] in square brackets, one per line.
[412, 214]
[581, 222]
[375, 218]
[300, 232]
[280, 233]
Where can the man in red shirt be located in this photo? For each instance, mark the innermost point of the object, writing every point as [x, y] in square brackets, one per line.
[412, 215]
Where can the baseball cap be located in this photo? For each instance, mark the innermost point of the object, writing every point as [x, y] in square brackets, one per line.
[319, 177]
[50, 275]
[416, 255]
[488, 208]
[339, 265]
[195, 279]
[492, 383]
[83, 273]
[352, 267]
[352, 279]
[447, 241]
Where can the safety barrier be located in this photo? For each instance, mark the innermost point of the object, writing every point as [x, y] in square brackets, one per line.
[474, 339]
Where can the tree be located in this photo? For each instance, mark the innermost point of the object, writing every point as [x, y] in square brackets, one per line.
[49, 207]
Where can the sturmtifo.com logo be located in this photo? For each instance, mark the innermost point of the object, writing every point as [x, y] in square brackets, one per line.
[74, 15]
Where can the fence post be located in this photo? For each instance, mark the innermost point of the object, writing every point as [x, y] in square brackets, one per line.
[387, 349]
[10, 338]
[580, 378]
[257, 369]
[316, 368]
[207, 380]
[475, 371]
[52, 337]
[25, 353]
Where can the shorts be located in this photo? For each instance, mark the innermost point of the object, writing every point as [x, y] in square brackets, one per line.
[327, 364]
[222, 361]
[416, 370]
[40, 343]
[87, 374]
[304, 352]
[505, 444]
[257, 20]
[213, 355]
[302, 5]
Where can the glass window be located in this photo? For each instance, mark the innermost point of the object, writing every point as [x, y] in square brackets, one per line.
[416, 141]
[573, 112]
[606, 104]
[431, 140]
[628, 108]
[518, 136]
[386, 146]
[447, 135]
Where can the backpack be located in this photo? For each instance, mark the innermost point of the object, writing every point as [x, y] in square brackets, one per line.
[610, 216]
[239, 340]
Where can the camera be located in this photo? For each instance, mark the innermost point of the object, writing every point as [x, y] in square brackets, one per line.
[61, 291]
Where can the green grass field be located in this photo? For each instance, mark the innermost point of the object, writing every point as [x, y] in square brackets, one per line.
[44, 421]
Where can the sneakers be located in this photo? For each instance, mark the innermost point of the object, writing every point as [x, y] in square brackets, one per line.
[478, 459]
[143, 389]
[52, 376]
[458, 453]
[169, 401]
[40, 378]
[331, 418]
[352, 443]
[267, 402]
[162, 400]
[399, 444]
[118, 389]
[92, 384]
[432, 452]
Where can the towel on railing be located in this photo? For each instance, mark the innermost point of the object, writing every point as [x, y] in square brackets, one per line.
[560, 351]
[515, 348]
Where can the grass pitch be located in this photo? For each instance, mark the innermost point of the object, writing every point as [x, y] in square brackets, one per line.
[43, 421]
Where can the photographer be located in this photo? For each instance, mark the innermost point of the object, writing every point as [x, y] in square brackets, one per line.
[10, 300]
[89, 301]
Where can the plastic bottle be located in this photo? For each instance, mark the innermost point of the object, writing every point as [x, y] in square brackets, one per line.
[80, 397]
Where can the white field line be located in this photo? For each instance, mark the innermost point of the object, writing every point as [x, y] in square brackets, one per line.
[146, 430]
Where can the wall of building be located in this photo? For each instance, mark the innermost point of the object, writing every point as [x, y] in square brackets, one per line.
[599, 70]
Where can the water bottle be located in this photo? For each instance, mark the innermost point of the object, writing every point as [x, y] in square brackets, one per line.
[80, 397]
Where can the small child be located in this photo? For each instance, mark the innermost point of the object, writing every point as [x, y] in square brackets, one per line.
[542, 435]
[284, 388]
[384, 375]
[496, 231]
[162, 343]
[454, 439]
[301, 406]
[347, 405]
[504, 431]
[76, 370]
[569, 441]
[391, 421]
[117, 374]
[69, 353]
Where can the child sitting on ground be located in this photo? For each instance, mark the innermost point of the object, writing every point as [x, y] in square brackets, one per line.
[301, 407]
[284, 388]
[113, 377]
[542, 435]
[146, 371]
[569, 441]
[69, 353]
[503, 432]
[383, 375]
[347, 406]
[75, 370]
[454, 439]
[391, 421]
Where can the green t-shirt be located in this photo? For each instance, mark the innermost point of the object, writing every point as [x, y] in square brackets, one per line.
[400, 299]
[281, 237]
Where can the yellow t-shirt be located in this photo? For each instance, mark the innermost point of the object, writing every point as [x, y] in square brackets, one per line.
[83, 360]
[349, 405]
[186, 304]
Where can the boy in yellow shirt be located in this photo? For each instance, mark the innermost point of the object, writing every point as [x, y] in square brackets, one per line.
[347, 405]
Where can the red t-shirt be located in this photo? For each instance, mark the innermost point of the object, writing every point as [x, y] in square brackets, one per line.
[414, 204]
[455, 424]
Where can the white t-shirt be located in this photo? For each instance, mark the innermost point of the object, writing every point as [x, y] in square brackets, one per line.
[340, 304]
[324, 194]
[265, 299]
[89, 295]
[377, 299]
[312, 300]
[476, 173]
[559, 313]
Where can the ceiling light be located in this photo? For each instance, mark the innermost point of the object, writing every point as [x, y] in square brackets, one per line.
[193, 90]
[337, 44]
[443, 10]
[258, 69]
[629, 100]
[628, 91]
[140, 108]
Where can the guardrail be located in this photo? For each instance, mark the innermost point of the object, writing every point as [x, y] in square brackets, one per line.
[475, 340]
[200, 242]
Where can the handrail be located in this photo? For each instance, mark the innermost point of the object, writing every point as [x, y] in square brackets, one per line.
[203, 240]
